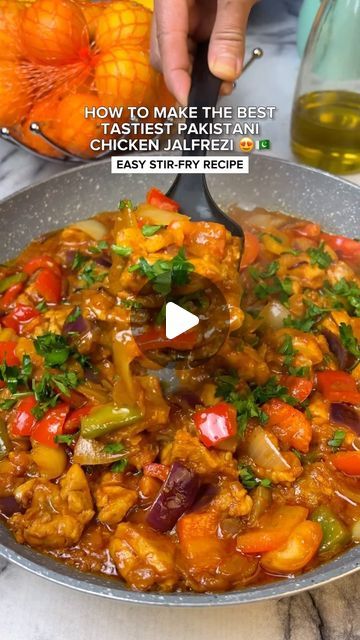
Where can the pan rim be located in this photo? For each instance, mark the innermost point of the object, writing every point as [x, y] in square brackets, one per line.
[47, 568]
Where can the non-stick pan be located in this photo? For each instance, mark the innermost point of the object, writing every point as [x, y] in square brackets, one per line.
[86, 190]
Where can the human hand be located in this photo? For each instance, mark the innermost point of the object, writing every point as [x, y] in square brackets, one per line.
[179, 24]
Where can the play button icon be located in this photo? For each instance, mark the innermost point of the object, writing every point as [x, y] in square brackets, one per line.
[178, 320]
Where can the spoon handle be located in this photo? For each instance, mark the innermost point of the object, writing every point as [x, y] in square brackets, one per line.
[204, 92]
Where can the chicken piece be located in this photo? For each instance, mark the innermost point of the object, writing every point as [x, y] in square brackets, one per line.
[281, 477]
[339, 270]
[248, 362]
[308, 347]
[13, 471]
[144, 558]
[300, 269]
[197, 457]
[57, 514]
[112, 500]
[232, 499]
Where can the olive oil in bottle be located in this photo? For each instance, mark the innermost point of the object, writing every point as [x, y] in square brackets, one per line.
[325, 130]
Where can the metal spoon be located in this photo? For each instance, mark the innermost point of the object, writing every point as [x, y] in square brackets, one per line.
[190, 191]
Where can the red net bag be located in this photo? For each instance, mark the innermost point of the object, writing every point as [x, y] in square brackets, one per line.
[56, 58]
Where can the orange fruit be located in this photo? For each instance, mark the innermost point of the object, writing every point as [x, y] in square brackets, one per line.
[74, 132]
[124, 77]
[54, 33]
[123, 23]
[45, 114]
[91, 12]
[15, 94]
[10, 17]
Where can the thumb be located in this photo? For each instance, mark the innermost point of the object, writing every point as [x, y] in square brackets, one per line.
[227, 43]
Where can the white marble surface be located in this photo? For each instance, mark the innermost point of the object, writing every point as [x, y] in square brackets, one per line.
[33, 609]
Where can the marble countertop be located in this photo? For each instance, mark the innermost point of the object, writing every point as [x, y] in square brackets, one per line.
[34, 609]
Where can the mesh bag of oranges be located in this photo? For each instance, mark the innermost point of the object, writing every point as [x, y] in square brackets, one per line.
[59, 56]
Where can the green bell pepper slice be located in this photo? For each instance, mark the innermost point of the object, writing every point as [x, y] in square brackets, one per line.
[8, 282]
[336, 535]
[108, 418]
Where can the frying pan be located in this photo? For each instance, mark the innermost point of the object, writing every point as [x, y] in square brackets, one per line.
[84, 191]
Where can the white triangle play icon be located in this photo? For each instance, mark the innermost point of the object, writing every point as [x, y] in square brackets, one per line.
[178, 320]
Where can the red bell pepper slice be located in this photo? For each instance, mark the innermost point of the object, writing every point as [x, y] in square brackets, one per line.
[299, 388]
[158, 199]
[7, 354]
[23, 421]
[42, 262]
[216, 423]
[155, 338]
[50, 425]
[346, 248]
[338, 386]
[20, 316]
[48, 285]
[11, 294]
[72, 423]
[156, 470]
[251, 249]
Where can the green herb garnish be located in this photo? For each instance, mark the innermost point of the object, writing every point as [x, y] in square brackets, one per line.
[119, 250]
[249, 480]
[337, 439]
[78, 261]
[320, 257]
[54, 349]
[350, 342]
[164, 274]
[113, 447]
[99, 247]
[74, 315]
[125, 204]
[90, 275]
[119, 466]
[149, 230]
[66, 438]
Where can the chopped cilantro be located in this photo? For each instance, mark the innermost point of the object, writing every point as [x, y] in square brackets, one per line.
[113, 447]
[15, 377]
[163, 274]
[47, 389]
[282, 288]
[8, 404]
[99, 247]
[249, 480]
[161, 316]
[320, 257]
[337, 439]
[349, 294]
[130, 303]
[42, 306]
[54, 349]
[270, 271]
[78, 261]
[89, 274]
[350, 342]
[119, 250]
[149, 230]
[313, 314]
[65, 438]
[119, 466]
[74, 315]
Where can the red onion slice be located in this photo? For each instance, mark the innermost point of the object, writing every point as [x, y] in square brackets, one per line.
[345, 414]
[176, 496]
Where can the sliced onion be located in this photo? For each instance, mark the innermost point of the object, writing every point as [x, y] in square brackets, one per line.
[103, 260]
[91, 452]
[176, 496]
[92, 227]
[158, 216]
[344, 358]
[345, 414]
[274, 314]
[263, 451]
[205, 495]
[355, 531]
[80, 325]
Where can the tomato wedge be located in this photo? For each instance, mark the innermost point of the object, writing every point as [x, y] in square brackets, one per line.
[156, 198]
[21, 315]
[299, 388]
[338, 386]
[216, 423]
[347, 461]
[251, 249]
[297, 552]
[290, 425]
[50, 425]
[346, 248]
[7, 354]
[48, 285]
[273, 531]
[23, 421]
